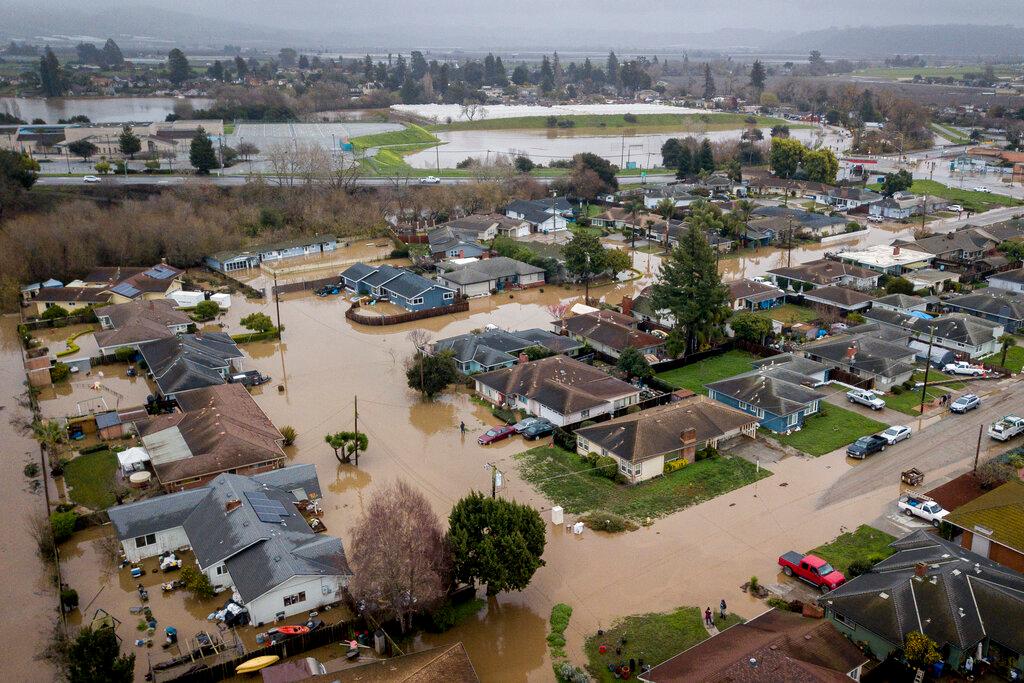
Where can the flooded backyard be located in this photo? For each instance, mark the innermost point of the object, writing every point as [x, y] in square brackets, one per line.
[98, 109]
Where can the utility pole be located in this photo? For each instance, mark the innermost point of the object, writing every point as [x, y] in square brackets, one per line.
[355, 405]
[977, 449]
[789, 244]
[494, 479]
[277, 305]
[927, 367]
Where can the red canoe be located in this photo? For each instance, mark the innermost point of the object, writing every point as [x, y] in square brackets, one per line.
[292, 630]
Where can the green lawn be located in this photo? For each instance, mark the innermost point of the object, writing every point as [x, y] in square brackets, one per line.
[909, 402]
[864, 543]
[950, 134]
[832, 428]
[969, 199]
[410, 135]
[652, 637]
[567, 481]
[956, 72]
[1014, 358]
[678, 122]
[91, 479]
[788, 314]
[696, 375]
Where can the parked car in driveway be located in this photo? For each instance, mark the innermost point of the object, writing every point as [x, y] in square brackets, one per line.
[896, 433]
[523, 424]
[923, 507]
[865, 398]
[963, 368]
[538, 429]
[496, 434]
[866, 445]
[965, 403]
[955, 207]
[812, 569]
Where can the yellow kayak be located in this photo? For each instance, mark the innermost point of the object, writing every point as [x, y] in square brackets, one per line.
[256, 664]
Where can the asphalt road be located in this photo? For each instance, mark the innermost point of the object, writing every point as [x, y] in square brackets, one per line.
[943, 449]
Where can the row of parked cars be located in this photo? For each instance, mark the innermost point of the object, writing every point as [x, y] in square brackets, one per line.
[530, 428]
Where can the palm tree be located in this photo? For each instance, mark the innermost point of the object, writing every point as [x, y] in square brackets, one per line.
[634, 208]
[52, 436]
[666, 208]
[1007, 340]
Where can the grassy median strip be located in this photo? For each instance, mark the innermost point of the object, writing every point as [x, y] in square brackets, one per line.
[866, 543]
[568, 481]
[696, 375]
[833, 427]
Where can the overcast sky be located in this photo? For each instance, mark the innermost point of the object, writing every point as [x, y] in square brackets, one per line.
[483, 23]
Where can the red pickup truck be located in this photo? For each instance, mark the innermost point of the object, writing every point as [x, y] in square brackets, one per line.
[811, 569]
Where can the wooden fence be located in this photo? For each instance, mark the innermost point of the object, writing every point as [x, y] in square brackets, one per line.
[331, 633]
[306, 285]
[74, 319]
[354, 315]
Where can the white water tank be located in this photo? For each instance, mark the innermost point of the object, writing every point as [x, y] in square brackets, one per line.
[556, 515]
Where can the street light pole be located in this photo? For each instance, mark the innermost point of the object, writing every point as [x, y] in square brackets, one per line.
[927, 367]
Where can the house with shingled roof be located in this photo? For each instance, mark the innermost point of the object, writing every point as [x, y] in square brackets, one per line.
[249, 536]
[191, 361]
[641, 443]
[966, 603]
[780, 398]
[138, 322]
[558, 388]
[992, 525]
[611, 333]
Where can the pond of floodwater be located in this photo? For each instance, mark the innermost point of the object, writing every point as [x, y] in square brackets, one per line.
[543, 146]
[456, 112]
[98, 109]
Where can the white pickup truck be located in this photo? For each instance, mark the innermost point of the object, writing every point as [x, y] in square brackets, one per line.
[963, 368]
[923, 507]
[1006, 428]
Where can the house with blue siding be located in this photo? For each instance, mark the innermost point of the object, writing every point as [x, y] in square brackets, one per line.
[778, 397]
[244, 259]
[399, 286]
[998, 305]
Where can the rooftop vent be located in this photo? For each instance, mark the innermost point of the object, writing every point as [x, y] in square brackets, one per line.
[884, 596]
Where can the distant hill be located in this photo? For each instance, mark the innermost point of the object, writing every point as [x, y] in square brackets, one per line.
[882, 41]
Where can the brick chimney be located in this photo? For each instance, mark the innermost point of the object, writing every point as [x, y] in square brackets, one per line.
[896, 250]
[688, 438]
[920, 569]
[851, 353]
[627, 305]
[232, 504]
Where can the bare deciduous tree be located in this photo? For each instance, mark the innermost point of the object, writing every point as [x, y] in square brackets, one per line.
[398, 555]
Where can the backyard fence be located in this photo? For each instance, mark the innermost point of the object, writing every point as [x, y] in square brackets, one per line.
[354, 315]
[305, 285]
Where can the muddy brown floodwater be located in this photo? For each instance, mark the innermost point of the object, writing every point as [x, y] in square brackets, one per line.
[694, 557]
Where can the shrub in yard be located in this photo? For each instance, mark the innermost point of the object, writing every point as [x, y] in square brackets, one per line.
[59, 373]
[206, 310]
[196, 582]
[402, 252]
[54, 312]
[897, 390]
[993, 474]
[754, 583]
[908, 385]
[607, 466]
[778, 603]
[68, 599]
[63, 525]
[706, 453]
[600, 520]
[288, 432]
[858, 567]
[124, 354]
[675, 465]
[31, 469]
[564, 439]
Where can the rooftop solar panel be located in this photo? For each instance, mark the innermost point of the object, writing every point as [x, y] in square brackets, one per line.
[159, 272]
[125, 289]
[266, 509]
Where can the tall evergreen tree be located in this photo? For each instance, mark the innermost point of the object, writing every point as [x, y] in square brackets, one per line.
[707, 156]
[709, 82]
[547, 75]
[757, 76]
[418, 66]
[685, 165]
[112, 57]
[241, 68]
[216, 71]
[612, 70]
[128, 142]
[51, 76]
[178, 69]
[690, 289]
[500, 75]
[201, 154]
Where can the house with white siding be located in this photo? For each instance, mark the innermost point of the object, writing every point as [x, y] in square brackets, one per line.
[249, 536]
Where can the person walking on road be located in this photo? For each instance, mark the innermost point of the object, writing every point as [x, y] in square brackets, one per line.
[462, 427]
[721, 608]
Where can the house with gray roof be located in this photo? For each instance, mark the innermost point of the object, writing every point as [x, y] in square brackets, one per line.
[480, 278]
[545, 215]
[966, 603]
[402, 287]
[248, 535]
[824, 273]
[838, 300]
[998, 305]
[611, 333]
[1010, 280]
[961, 333]
[781, 399]
[445, 242]
[191, 361]
[901, 303]
[242, 259]
[496, 349]
[879, 357]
